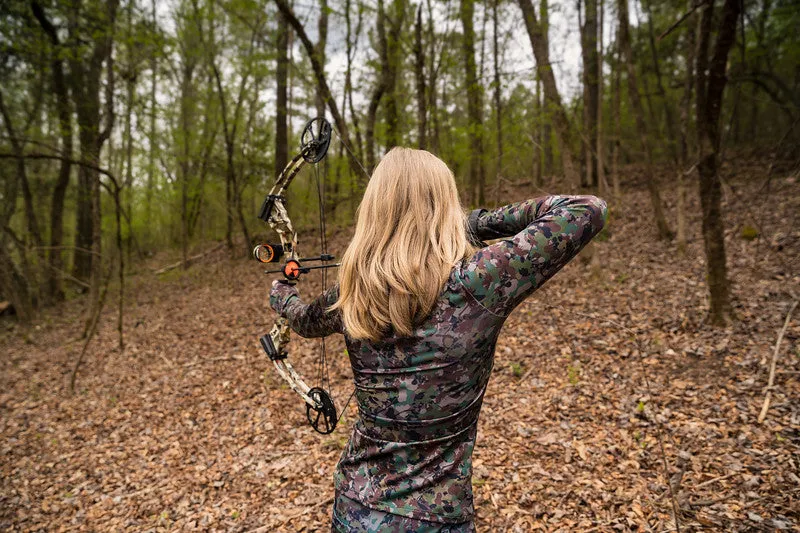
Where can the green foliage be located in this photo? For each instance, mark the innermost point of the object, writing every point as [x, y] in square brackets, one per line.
[176, 185]
[749, 233]
[574, 373]
[516, 370]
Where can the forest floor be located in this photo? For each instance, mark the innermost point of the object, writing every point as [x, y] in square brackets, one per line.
[601, 378]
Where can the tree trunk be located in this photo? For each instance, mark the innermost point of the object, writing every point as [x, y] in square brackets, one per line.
[419, 77]
[616, 101]
[668, 115]
[184, 158]
[547, 127]
[151, 162]
[348, 96]
[636, 104]
[537, 33]
[15, 286]
[498, 103]
[394, 62]
[474, 106]
[319, 50]
[538, 171]
[685, 118]
[602, 186]
[85, 75]
[388, 50]
[55, 286]
[230, 123]
[380, 88]
[31, 222]
[433, 76]
[711, 81]
[281, 76]
[590, 80]
[319, 74]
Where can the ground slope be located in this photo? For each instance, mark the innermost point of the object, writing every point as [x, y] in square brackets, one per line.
[190, 428]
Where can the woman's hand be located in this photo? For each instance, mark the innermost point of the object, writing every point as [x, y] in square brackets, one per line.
[280, 293]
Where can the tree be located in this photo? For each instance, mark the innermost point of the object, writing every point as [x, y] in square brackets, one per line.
[591, 89]
[419, 78]
[537, 34]
[93, 23]
[711, 81]
[638, 112]
[64, 112]
[389, 60]
[474, 104]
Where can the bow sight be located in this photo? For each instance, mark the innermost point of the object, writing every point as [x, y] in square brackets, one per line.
[292, 268]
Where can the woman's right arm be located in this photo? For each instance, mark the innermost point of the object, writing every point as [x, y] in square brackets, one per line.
[538, 237]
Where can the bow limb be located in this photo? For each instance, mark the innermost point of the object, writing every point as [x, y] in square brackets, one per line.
[280, 338]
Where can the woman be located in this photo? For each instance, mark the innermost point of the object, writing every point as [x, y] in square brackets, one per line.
[421, 309]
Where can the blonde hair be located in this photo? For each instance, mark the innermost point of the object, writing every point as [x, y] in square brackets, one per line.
[410, 232]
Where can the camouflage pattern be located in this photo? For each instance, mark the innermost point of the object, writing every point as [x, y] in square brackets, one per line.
[419, 397]
[349, 516]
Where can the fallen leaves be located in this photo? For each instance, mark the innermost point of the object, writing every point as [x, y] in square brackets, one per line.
[190, 428]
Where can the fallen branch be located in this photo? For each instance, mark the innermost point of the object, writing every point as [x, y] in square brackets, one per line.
[772, 365]
[214, 359]
[189, 261]
[91, 329]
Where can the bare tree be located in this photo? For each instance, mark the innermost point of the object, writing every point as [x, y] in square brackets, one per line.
[537, 33]
[474, 105]
[638, 112]
[591, 89]
[419, 78]
[711, 81]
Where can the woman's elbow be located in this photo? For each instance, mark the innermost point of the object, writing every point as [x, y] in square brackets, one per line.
[598, 213]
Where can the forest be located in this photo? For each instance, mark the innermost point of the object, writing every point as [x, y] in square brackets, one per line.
[139, 139]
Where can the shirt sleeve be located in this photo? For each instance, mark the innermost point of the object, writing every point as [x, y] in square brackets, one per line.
[539, 237]
[307, 320]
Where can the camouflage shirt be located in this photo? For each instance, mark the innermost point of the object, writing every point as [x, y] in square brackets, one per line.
[419, 397]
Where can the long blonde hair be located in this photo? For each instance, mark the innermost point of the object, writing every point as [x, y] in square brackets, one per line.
[410, 232]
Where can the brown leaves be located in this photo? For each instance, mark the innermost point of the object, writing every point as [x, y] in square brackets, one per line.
[191, 429]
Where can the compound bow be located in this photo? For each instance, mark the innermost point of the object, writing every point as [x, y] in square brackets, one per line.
[314, 142]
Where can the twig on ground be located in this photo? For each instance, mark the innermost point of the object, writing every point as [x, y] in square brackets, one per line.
[772, 365]
[91, 329]
[712, 481]
[189, 260]
[214, 359]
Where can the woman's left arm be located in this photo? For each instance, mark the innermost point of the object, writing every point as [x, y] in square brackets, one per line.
[311, 320]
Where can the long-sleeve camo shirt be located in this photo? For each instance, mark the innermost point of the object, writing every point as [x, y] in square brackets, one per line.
[419, 397]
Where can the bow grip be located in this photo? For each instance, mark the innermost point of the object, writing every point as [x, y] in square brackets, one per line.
[269, 347]
[266, 207]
